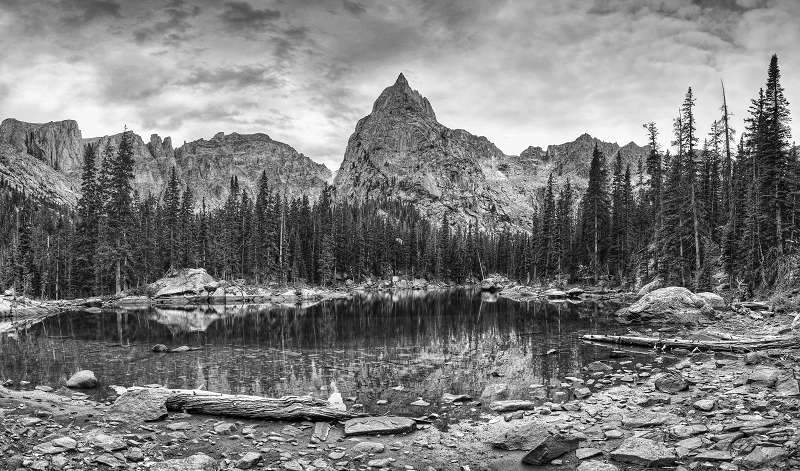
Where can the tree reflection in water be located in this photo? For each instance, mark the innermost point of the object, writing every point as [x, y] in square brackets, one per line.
[429, 344]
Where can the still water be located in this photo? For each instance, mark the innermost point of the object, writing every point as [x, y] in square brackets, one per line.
[374, 347]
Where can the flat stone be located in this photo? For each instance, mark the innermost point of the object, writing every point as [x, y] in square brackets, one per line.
[380, 463]
[321, 431]
[583, 453]
[378, 425]
[420, 403]
[704, 405]
[84, 379]
[249, 460]
[787, 388]
[691, 443]
[596, 466]
[715, 455]
[613, 434]
[66, 443]
[649, 419]
[512, 405]
[48, 448]
[106, 441]
[225, 428]
[198, 462]
[645, 452]
[140, 405]
[551, 448]
[108, 460]
[764, 376]
[599, 366]
[582, 393]
[762, 455]
[134, 454]
[179, 426]
[367, 448]
[451, 398]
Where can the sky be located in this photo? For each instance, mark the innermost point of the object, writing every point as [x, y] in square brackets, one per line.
[522, 73]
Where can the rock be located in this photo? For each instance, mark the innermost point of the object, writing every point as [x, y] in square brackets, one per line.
[670, 382]
[648, 419]
[367, 448]
[755, 358]
[649, 287]
[495, 283]
[684, 431]
[495, 391]
[420, 403]
[670, 305]
[714, 300]
[134, 455]
[596, 466]
[551, 448]
[185, 281]
[83, 379]
[755, 305]
[582, 393]
[225, 428]
[599, 366]
[583, 453]
[321, 431]
[613, 434]
[787, 387]
[378, 425]
[380, 463]
[160, 348]
[512, 405]
[762, 455]
[715, 455]
[108, 442]
[138, 405]
[181, 349]
[66, 443]
[249, 460]
[108, 460]
[645, 452]
[198, 462]
[517, 434]
[704, 405]
[764, 376]
[451, 398]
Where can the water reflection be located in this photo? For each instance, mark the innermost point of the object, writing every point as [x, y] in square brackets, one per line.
[376, 346]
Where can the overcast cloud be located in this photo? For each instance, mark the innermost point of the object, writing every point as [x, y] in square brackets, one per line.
[519, 72]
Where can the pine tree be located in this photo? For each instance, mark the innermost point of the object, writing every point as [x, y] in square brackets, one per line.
[89, 206]
[595, 217]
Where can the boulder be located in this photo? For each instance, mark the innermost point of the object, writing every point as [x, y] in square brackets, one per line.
[670, 382]
[84, 379]
[249, 460]
[185, 281]
[551, 448]
[652, 286]
[361, 448]
[138, 405]
[599, 366]
[378, 425]
[495, 283]
[595, 465]
[705, 405]
[787, 387]
[525, 434]
[495, 391]
[673, 304]
[764, 376]
[198, 462]
[644, 452]
[713, 299]
[762, 455]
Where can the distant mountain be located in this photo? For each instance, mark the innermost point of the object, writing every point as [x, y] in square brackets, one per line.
[401, 150]
[45, 160]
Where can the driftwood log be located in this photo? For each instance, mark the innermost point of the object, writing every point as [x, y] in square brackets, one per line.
[742, 346]
[254, 407]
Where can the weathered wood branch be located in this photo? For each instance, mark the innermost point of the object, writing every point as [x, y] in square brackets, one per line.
[716, 345]
[254, 407]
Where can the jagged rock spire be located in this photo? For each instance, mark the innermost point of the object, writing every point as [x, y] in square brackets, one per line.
[401, 97]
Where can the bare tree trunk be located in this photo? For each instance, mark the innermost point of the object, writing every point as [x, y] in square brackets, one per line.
[118, 276]
[696, 223]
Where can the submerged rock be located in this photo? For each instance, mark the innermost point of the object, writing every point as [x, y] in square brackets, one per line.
[84, 379]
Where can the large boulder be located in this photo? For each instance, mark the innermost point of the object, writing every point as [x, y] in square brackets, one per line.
[713, 299]
[84, 379]
[138, 405]
[673, 304]
[186, 281]
[495, 283]
[526, 434]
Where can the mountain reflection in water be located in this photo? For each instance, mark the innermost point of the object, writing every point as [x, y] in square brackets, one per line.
[455, 341]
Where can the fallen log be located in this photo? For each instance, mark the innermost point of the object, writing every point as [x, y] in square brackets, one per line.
[741, 346]
[254, 407]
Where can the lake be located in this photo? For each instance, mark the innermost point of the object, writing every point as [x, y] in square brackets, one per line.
[393, 347]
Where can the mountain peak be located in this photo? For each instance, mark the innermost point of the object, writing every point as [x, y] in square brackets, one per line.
[401, 98]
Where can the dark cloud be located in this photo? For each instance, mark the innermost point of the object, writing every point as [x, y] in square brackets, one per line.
[233, 77]
[80, 12]
[353, 7]
[173, 27]
[240, 16]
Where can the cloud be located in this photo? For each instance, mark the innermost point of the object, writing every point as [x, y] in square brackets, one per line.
[240, 16]
[80, 12]
[237, 77]
[175, 26]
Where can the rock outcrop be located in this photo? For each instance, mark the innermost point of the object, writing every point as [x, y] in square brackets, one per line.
[36, 178]
[186, 281]
[672, 304]
[57, 143]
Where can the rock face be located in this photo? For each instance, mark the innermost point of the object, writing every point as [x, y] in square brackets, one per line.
[400, 149]
[57, 143]
[46, 160]
[208, 166]
[672, 304]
